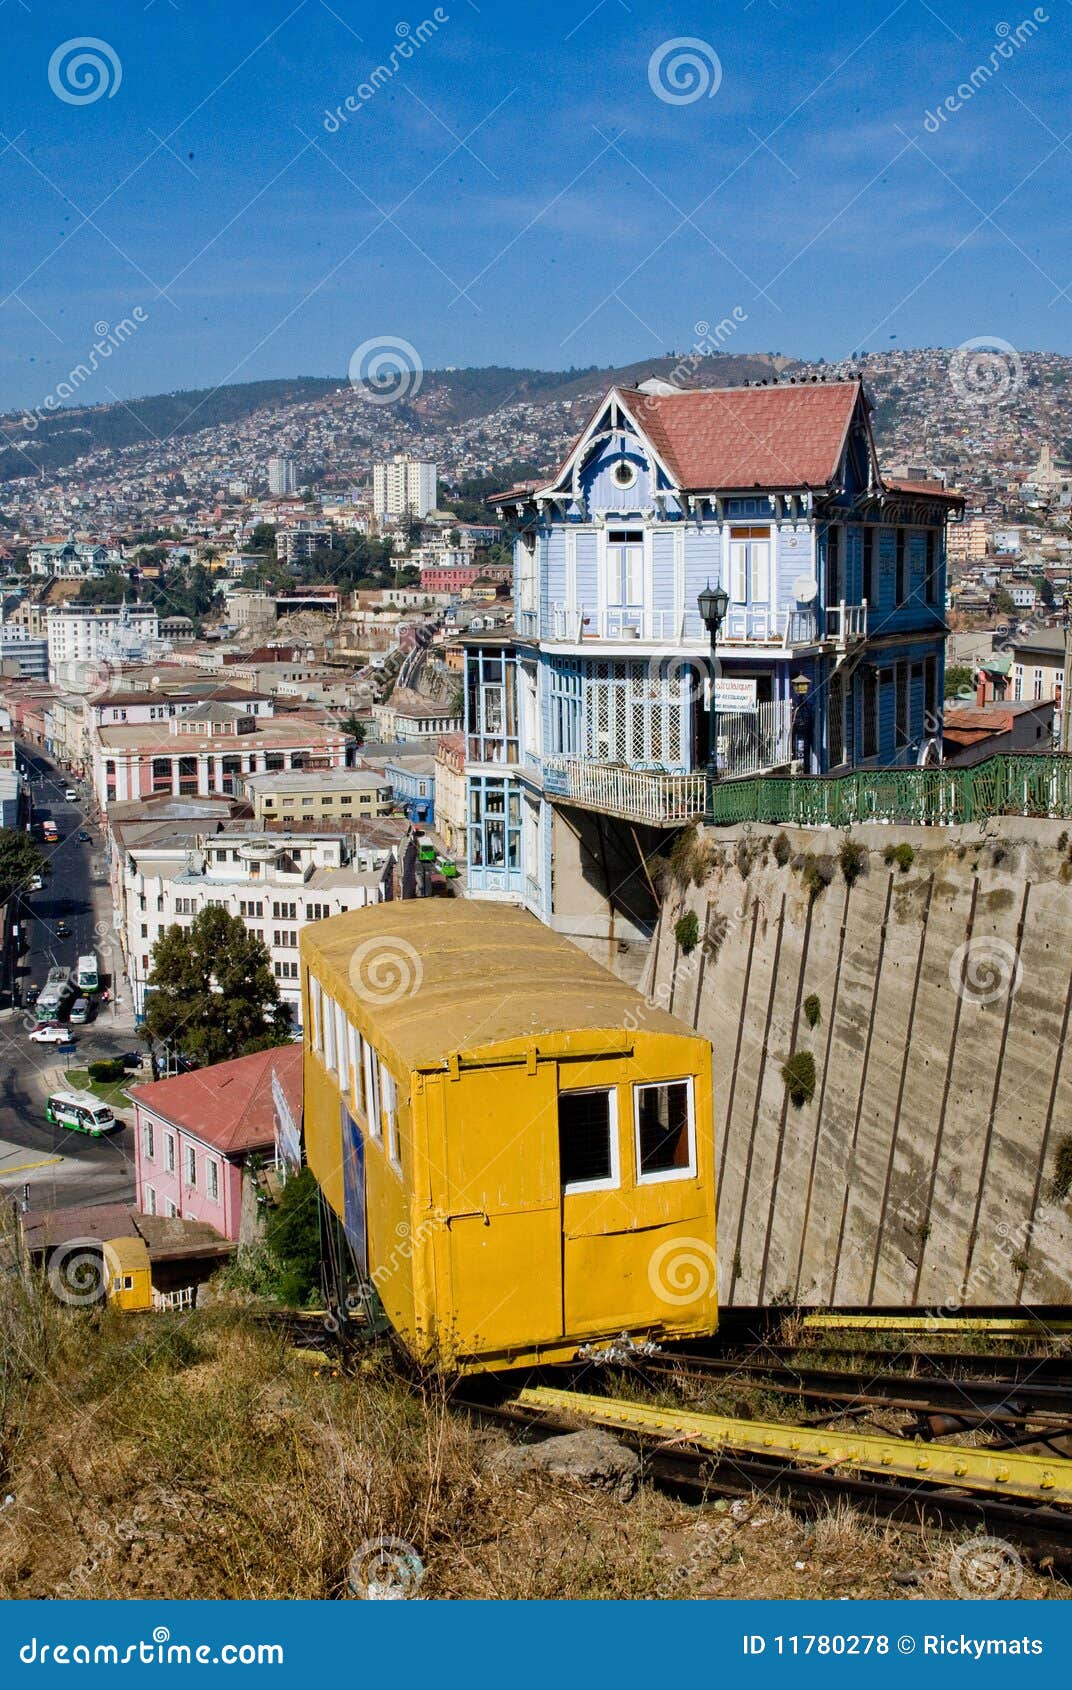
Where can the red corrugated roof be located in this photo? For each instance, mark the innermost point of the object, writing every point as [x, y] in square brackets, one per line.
[748, 436]
[230, 1104]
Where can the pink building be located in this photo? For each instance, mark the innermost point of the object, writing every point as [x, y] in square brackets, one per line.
[208, 749]
[194, 1135]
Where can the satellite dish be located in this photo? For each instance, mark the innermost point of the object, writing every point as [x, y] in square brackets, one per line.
[805, 588]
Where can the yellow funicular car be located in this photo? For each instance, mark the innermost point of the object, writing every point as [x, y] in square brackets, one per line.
[517, 1146]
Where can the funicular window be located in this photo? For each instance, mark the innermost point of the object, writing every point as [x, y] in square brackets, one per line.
[665, 1133]
[587, 1140]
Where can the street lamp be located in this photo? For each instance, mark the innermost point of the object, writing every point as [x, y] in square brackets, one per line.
[712, 603]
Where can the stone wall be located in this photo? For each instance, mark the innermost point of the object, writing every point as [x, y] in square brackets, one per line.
[928, 1168]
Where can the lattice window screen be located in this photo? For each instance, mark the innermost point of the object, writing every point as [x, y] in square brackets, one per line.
[634, 714]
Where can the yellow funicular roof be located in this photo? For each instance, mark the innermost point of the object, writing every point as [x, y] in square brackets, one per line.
[434, 978]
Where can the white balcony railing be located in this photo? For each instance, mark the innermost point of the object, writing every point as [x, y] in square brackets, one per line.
[661, 800]
[846, 622]
[744, 625]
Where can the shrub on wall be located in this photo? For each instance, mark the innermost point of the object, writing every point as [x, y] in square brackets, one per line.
[799, 1076]
[687, 932]
[853, 860]
[903, 855]
[812, 1010]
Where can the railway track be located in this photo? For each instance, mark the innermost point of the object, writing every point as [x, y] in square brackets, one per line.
[944, 1405]
[915, 1481]
[1040, 1530]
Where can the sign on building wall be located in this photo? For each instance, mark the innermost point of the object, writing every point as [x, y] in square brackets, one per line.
[733, 693]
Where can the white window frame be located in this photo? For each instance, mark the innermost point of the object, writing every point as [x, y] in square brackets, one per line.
[170, 1147]
[372, 1094]
[688, 1172]
[615, 1180]
[743, 568]
[389, 1094]
[212, 1179]
[342, 1054]
[171, 1209]
[329, 1056]
[150, 1200]
[315, 1002]
[189, 1170]
[619, 583]
[148, 1141]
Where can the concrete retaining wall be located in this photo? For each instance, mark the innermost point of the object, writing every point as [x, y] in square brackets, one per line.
[922, 1171]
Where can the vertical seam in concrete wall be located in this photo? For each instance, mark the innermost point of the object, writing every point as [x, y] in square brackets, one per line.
[1040, 1169]
[984, 1166]
[743, 1210]
[704, 942]
[653, 966]
[822, 1091]
[720, 1182]
[900, 1093]
[776, 1172]
[850, 1166]
[944, 1109]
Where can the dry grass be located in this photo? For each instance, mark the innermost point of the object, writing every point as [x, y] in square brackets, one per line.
[195, 1456]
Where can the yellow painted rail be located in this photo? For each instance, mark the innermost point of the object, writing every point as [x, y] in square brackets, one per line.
[1001, 1472]
[935, 1325]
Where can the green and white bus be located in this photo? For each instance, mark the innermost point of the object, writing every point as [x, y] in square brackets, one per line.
[80, 1112]
[53, 995]
[86, 975]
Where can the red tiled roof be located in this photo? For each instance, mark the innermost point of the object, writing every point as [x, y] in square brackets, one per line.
[748, 436]
[230, 1104]
[927, 489]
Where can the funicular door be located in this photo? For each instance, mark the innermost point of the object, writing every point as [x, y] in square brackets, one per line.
[500, 1204]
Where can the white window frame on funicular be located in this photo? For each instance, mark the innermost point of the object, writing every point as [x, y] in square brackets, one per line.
[688, 1172]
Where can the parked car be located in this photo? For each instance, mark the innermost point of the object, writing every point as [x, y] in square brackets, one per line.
[50, 1034]
[36, 883]
[32, 994]
[84, 838]
[71, 794]
[80, 1011]
[62, 930]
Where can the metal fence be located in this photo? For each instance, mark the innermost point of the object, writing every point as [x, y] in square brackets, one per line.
[1004, 785]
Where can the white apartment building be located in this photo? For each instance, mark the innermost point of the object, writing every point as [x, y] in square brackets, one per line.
[83, 635]
[282, 477]
[275, 882]
[403, 487]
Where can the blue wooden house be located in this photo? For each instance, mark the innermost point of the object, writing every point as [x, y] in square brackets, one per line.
[594, 720]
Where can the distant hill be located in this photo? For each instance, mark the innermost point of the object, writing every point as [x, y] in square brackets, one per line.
[64, 435]
[448, 396]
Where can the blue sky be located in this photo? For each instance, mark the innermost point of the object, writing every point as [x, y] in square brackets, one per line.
[519, 190]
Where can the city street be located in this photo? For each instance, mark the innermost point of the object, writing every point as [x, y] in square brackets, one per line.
[61, 1168]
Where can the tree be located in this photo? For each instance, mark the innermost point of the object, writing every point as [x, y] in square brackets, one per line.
[958, 678]
[354, 728]
[1003, 602]
[214, 995]
[262, 538]
[293, 1237]
[20, 860]
[1044, 587]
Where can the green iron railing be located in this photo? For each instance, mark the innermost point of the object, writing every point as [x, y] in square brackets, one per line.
[1004, 785]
